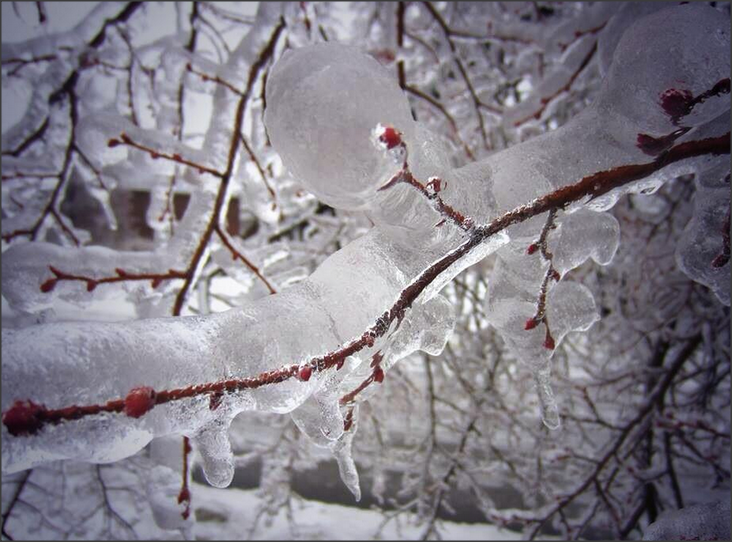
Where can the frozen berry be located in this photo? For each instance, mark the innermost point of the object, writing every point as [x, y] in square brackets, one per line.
[24, 417]
[390, 137]
[304, 373]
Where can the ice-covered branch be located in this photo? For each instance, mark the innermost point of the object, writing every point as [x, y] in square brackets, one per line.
[375, 300]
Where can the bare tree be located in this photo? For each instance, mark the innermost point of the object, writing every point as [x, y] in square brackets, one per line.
[283, 217]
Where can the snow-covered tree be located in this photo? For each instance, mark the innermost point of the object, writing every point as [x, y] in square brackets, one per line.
[223, 228]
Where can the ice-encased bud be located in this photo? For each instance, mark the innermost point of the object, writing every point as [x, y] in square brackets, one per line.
[324, 102]
[666, 56]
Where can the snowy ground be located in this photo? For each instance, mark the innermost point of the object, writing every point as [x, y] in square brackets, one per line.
[231, 513]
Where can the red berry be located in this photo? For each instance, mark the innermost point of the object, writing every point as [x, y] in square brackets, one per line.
[533, 247]
[390, 137]
[304, 373]
[531, 323]
[139, 401]
[24, 417]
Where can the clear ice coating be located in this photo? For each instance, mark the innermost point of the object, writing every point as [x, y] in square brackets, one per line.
[329, 97]
[701, 251]
[324, 102]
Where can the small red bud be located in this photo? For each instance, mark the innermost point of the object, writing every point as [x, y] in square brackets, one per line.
[156, 282]
[676, 103]
[215, 401]
[531, 323]
[154, 155]
[340, 364]
[379, 375]
[304, 373]
[549, 342]
[90, 285]
[23, 418]
[120, 272]
[184, 495]
[177, 157]
[113, 143]
[533, 247]
[49, 285]
[720, 260]
[139, 401]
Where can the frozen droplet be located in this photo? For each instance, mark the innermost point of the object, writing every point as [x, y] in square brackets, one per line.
[570, 307]
[212, 443]
[319, 417]
[585, 234]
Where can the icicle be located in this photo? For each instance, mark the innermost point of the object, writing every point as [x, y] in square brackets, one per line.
[213, 444]
[549, 409]
[346, 465]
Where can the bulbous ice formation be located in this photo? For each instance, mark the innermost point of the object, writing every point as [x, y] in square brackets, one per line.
[325, 101]
[662, 59]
